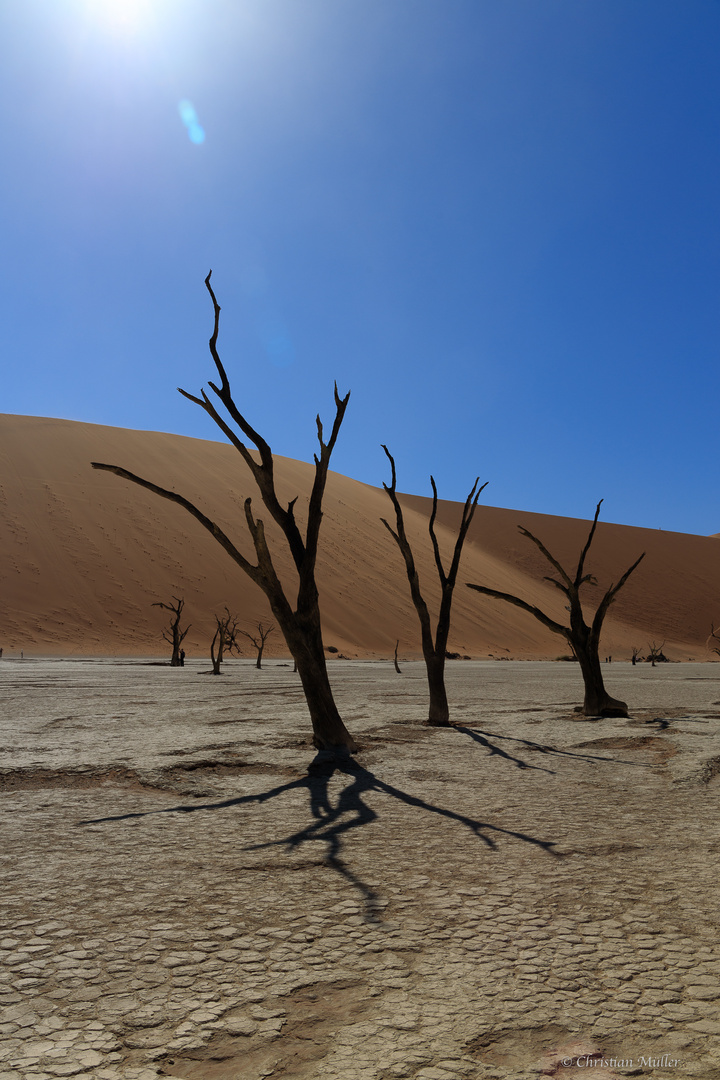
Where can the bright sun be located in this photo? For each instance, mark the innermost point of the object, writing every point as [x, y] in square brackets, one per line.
[127, 16]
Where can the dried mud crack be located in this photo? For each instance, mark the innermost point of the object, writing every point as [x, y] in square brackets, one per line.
[175, 906]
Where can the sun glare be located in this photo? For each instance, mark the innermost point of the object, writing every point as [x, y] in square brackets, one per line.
[122, 16]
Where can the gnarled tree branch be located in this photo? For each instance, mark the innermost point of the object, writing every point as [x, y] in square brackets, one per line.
[583, 639]
[434, 649]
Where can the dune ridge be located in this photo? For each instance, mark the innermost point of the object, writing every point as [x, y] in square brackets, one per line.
[85, 554]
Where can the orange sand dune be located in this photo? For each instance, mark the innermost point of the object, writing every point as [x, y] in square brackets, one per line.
[84, 555]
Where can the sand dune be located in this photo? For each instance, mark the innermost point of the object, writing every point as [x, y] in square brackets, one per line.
[84, 555]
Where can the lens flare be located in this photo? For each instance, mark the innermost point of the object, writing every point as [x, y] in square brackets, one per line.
[196, 133]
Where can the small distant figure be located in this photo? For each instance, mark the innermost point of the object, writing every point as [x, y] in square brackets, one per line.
[22, 655]
[182, 658]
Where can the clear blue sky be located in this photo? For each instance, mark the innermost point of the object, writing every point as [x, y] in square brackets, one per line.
[496, 222]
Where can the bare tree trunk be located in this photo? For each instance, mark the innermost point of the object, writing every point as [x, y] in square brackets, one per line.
[308, 652]
[433, 650]
[226, 637]
[258, 641]
[397, 666]
[439, 710]
[597, 701]
[216, 658]
[301, 626]
[173, 634]
[584, 640]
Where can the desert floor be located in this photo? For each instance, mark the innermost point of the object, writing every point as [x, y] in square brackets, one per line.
[182, 897]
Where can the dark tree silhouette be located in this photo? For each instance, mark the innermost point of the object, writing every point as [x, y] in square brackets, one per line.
[635, 655]
[657, 656]
[258, 640]
[434, 650]
[713, 642]
[397, 666]
[584, 640]
[300, 624]
[224, 639]
[173, 634]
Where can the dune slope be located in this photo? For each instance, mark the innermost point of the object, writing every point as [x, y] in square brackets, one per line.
[85, 554]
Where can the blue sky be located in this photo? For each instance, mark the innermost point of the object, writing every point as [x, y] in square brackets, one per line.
[496, 222]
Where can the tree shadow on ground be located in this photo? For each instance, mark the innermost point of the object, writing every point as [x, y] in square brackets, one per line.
[331, 822]
[483, 737]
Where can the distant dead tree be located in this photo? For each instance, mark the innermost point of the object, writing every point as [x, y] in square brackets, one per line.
[657, 656]
[397, 666]
[300, 624]
[635, 655]
[258, 640]
[173, 634]
[584, 640]
[224, 640]
[713, 642]
[434, 650]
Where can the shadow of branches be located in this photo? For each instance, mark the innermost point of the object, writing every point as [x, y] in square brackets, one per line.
[484, 737]
[334, 818]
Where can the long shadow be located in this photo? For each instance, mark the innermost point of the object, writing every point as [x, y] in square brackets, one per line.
[483, 737]
[480, 737]
[331, 823]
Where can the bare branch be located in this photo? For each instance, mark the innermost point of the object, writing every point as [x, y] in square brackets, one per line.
[550, 558]
[510, 599]
[300, 624]
[215, 530]
[467, 515]
[434, 650]
[583, 639]
[314, 518]
[391, 531]
[433, 537]
[609, 597]
[589, 541]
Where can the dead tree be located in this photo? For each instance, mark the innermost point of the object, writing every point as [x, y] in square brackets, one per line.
[713, 642]
[224, 639]
[173, 634]
[300, 624]
[584, 640]
[397, 666]
[635, 655]
[258, 640]
[657, 656]
[434, 650]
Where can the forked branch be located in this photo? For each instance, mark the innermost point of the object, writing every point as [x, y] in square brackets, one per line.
[300, 623]
[583, 639]
[434, 650]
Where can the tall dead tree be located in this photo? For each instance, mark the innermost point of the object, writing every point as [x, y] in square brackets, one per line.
[434, 649]
[300, 623]
[173, 634]
[224, 639]
[713, 642]
[584, 640]
[258, 640]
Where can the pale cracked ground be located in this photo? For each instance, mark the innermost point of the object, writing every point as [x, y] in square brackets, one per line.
[181, 898]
